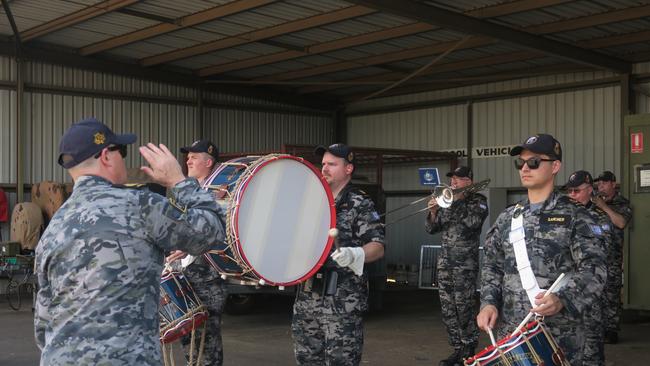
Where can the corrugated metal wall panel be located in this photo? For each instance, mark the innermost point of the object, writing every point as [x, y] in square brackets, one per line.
[8, 136]
[49, 115]
[248, 131]
[586, 123]
[7, 69]
[424, 129]
[479, 89]
[62, 76]
[642, 100]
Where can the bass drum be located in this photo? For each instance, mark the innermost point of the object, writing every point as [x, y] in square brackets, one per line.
[279, 210]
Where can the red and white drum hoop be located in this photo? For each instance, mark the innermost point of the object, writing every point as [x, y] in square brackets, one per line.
[279, 215]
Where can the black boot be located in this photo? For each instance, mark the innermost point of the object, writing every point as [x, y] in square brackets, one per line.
[453, 359]
[611, 337]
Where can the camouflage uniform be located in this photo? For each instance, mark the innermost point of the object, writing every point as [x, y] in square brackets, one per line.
[612, 310]
[561, 237]
[594, 348]
[457, 266]
[99, 264]
[211, 290]
[328, 329]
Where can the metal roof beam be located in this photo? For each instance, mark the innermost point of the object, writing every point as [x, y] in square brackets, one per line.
[637, 37]
[259, 34]
[70, 59]
[462, 23]
[381, 35]
[572, 24]
[180, 23]
[77, 17]
[18, 41]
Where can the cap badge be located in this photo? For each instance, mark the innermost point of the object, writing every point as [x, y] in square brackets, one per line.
[531, 140]
[350, 156]
[572, 178]
[210, 149]
[195, 142]
[556, 148]
[99, 138]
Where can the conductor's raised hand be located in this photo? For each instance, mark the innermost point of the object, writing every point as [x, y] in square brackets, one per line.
[163, 167]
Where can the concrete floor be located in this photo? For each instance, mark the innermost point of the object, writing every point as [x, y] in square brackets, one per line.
[407, 332]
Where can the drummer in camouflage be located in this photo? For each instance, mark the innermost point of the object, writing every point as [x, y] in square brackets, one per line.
[99, 261]
[457, 266]
[558, 237]
[327, 320]
[202, 158]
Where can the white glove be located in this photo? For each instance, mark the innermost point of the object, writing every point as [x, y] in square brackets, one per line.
[351, 257]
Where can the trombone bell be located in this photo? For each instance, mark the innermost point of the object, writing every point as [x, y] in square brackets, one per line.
[444, 196]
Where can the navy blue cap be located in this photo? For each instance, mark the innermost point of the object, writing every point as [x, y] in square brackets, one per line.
[85, 139]
[461, 172]
[540, 144]
[606, 176]
[579, 178]
[339, 150]
[202, 146]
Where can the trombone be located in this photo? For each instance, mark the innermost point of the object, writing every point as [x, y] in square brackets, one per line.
[444, 196]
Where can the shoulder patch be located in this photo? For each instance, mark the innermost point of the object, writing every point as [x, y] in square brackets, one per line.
[375, 215]
[483, 206]
[596, 229]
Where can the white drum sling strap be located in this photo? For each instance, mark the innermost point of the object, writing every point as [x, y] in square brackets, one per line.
[518, 241]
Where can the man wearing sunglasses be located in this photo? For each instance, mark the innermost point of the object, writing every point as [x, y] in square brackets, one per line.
[535, 241]
[619, 211]
[202, 158]
[580, 189]
[457, 266]
[99, 261]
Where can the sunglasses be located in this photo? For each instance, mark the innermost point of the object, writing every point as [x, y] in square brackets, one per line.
[120, 148]
[533, 163]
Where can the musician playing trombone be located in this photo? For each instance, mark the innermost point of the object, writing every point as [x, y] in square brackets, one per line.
[457, 267]
[531, 244]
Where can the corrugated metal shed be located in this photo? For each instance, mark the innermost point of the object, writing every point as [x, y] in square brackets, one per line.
[302, 47]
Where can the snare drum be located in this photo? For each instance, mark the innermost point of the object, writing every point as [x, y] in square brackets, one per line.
[279, 212]
[532, 345]
[180, 309]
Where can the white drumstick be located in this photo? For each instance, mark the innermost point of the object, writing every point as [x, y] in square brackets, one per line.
[334, 233]
[549, 291]
[494, 341]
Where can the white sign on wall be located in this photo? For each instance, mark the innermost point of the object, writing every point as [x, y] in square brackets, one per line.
[483, 152]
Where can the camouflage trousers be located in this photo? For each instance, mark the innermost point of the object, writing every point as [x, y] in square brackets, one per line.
[594, 348]
[459, 302]
[213, 294]
[613, 304]
[324, 336]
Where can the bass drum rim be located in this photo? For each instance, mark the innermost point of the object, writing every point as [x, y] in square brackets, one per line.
[240, 191]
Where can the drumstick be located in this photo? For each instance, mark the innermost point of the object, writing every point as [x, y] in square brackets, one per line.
[549, 291]
[334, 233]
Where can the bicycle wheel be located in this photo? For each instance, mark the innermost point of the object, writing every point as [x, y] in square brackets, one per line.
[13, 295]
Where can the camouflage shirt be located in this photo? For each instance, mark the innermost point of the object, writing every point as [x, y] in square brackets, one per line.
[358, 224]
[460, 225]
[621, 205]
[561, 237]
[99, 264]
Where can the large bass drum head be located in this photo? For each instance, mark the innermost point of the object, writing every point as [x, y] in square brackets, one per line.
[285, 212]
